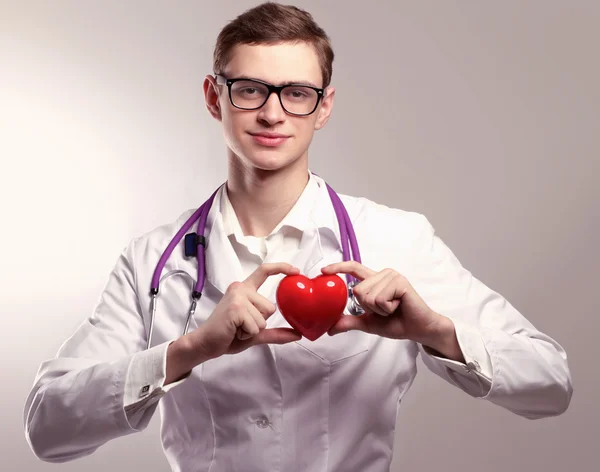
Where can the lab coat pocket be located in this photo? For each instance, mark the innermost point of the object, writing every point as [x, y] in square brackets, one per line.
[332, 349]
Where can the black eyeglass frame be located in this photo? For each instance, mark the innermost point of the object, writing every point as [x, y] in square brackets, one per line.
[222, 80]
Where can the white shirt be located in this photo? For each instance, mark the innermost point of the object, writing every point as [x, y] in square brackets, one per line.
[282, 407]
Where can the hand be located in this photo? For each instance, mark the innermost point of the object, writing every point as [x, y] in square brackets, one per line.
[238, 322]
[239, 319]
[394, 310]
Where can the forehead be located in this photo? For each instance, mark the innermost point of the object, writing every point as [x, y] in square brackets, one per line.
[276, 64]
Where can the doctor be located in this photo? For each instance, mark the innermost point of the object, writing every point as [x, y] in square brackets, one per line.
[242, 390]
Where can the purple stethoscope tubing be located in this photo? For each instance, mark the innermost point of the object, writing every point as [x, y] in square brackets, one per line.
[350, 251]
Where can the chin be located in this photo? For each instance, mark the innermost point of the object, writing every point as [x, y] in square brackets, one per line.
[269, 159]
[272, 161]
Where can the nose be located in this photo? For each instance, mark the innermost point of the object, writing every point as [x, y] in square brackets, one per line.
[272, 112]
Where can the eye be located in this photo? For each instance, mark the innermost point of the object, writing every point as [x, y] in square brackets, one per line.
[298, 94]
[248, 90]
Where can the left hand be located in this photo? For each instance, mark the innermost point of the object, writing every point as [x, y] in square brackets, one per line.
[393, 309]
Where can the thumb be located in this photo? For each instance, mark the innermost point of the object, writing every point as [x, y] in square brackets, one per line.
[349, 323]
[277, 336]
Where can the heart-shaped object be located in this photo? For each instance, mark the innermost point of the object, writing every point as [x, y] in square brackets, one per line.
[312, 306]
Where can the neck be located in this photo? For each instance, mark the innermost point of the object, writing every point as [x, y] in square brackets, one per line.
[262, 198]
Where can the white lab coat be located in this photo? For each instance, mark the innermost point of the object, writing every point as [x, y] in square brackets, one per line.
[304, 406]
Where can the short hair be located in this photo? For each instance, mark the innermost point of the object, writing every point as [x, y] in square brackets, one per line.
[273, 23]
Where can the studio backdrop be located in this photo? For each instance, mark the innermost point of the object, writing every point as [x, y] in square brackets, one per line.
[481, 115]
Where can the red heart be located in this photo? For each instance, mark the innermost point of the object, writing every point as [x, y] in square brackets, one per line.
[312, 306]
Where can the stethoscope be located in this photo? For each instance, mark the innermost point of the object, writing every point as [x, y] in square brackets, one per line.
[195, 244]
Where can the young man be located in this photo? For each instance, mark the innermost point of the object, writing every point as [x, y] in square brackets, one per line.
[243, 391]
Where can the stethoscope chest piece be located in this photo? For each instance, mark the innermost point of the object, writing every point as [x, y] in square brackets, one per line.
[353, 306]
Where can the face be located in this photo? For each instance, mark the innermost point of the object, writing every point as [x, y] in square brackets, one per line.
[245, 130]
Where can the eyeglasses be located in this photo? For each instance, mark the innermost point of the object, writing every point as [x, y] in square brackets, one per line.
[295, 99]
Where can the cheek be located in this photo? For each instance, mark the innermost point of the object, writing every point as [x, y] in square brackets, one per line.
[305, 130]
[234, 125]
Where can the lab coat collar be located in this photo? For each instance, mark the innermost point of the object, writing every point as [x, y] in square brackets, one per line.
[320, 228]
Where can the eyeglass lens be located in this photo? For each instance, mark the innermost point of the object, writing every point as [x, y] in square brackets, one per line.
[296, 99]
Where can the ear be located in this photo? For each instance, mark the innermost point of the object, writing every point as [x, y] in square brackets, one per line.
[211, 96]
[325, 108]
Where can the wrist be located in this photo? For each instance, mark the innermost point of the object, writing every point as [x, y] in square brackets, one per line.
[181, 358]
[443, 339]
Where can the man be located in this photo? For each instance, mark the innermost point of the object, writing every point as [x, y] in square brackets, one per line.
[243, 391]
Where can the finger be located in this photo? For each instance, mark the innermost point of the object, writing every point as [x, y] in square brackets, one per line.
[257, 316]
[350, 323]
[264, 305]
[390, 296]
[242, 335]
[381, 297]
[258, 277]
[366, 286]
[364, 291]
[276, 336]
[348, 267]
[248, 328]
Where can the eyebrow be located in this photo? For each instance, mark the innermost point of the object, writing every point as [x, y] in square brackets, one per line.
[291, 82]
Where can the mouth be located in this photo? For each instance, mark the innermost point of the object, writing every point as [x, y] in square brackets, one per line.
[265, 138]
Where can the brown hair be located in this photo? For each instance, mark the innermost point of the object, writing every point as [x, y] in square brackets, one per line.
[272, 23]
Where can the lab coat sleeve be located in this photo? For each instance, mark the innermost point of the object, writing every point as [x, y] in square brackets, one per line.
[77, 401]
[508, 361]
[144, 385]
[477, 360]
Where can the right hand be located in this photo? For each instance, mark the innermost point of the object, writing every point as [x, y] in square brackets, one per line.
[239, 319]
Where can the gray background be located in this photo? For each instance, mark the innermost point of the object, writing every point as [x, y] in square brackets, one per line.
[482, 115]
